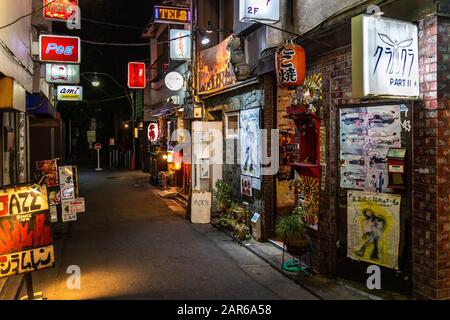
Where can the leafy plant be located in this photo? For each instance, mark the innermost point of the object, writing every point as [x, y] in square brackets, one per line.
[222, 195]
[290, 228]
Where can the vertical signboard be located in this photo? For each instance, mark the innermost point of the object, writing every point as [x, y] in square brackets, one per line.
[180, 44]
[26, 237]
[136, 75]
[385, 59]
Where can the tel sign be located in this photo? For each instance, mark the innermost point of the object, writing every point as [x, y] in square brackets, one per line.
[62, 49]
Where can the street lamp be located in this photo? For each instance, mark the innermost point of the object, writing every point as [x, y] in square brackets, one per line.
[96, 81]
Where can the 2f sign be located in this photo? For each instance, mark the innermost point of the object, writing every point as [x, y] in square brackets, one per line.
[267, 11]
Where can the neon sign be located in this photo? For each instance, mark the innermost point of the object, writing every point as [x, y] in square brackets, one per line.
[172, 15]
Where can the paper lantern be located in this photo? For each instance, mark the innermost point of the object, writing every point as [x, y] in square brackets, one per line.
[290, 63]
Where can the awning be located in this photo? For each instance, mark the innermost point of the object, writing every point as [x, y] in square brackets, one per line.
[159, 109]
[38, 104]
[12, 95]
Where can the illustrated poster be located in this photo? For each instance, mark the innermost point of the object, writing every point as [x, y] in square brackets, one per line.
[250, 143]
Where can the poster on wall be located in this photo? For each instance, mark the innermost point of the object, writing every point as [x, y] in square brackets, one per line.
[308, 195]
[49, 170]
[22, 168]
[246, 186]
[26, 237]
[373, 227]
[366, 134]
[250, 142]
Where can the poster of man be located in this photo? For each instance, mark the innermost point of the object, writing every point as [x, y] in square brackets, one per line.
[373, 222]
[250, 143]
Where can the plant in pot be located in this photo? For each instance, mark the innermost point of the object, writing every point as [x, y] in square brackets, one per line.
[293, 232]
[222, 197]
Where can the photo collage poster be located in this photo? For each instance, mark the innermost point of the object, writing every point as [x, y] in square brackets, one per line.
[366, 134]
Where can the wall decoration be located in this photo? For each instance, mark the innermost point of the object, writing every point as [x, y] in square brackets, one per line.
[26, 237]
[53, 213]
[307, 190]
[204, 169]
[250, 142]
[386, 57]
[215, 70]
[366, 134]
[373, 227]
[246, 186]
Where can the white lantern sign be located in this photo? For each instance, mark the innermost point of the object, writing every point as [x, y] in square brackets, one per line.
[266, 11]
[174, 81]
[180, 44]
[385, 59]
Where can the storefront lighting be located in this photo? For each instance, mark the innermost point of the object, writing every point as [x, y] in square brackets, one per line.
[95, 82]
[170, 157]
[205, 40]
[177, 166]
[164, 157]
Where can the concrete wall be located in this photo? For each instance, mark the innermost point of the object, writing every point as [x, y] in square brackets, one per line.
[17, 39]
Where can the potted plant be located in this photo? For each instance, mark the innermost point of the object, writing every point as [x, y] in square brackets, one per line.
[293, 232]
[222, 197]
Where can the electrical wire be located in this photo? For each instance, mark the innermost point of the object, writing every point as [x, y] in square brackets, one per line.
[24, 16]
[131, 44]
[112, 24]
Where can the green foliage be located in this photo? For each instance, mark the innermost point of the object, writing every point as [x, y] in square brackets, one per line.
[290, 228]
[222, 195]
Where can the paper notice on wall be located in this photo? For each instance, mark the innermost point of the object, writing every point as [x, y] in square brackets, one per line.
[77, 206]
[67, 215]
[54, 213]
[201, 207]
[373, 227]
[67, 193]
[66, 176]
[256, 183]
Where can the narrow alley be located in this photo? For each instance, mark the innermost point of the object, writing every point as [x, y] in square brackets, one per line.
[132, 244]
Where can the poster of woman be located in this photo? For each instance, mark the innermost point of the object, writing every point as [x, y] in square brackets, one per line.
[250, 143]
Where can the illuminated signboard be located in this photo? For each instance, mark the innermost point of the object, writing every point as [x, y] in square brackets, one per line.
[385, 57]
[174, 81]
[172, 15]
[136, 75]
[61, 49]
[153, 132]
[62, 73]
[267, 11]
[180, 44]
[26, 243]
[70, 93]
[59, 10]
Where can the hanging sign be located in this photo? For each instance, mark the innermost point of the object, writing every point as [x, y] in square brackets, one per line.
[267, 11]
[174, 81]
[26, 237]
[153, 132]
[172, 15]
[59, 10]
[180, 44]
[70, 93]
[136, 75]
[62, 49]
[62, 73]
[385, 59]
[290, 63]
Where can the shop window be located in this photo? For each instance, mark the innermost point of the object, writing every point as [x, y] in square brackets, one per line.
[232, 125]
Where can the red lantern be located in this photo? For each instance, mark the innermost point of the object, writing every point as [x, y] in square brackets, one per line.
[290, 63]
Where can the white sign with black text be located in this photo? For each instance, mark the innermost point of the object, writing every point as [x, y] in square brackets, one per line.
[267, 11]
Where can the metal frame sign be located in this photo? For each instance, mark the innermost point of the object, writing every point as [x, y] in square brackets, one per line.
[267, 11]
[59, 10]
[62, 73]
[385, 57]
[172, 15]
[26, 243]
[69, 93]
[136, 75]
[63, 49]
[180, 44]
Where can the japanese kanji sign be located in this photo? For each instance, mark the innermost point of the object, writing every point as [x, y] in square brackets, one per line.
[290, 65]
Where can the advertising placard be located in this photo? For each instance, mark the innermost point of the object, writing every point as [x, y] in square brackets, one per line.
[62, 73]
[69, 93]
[63, 49]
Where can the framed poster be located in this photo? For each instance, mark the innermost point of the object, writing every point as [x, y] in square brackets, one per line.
[246, 186]
[250, 142]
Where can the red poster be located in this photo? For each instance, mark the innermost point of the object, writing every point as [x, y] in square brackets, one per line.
[136, 75]
[60, 10]
[62, 49]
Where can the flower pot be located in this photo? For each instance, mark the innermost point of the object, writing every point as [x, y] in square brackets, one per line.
[299, 246]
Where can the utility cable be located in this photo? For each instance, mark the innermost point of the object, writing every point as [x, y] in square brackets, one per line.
[24, 16]
[131, 44]
[112, 24]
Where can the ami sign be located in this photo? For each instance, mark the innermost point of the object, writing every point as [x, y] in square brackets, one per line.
[136, 75]
[62, 49]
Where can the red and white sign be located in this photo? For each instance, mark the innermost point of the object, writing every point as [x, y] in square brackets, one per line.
[59, 10]
[136, 75]
[153, 132]
[62, 49]
[98, 146]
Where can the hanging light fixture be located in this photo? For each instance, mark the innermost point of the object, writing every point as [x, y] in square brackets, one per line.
[96, 81]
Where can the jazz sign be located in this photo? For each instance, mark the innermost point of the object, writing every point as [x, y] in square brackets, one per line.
[385, 60]
[61, 49]
[70, 93]
[267, 11]
[25, 231]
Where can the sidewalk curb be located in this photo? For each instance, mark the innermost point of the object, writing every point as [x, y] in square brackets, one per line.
[308, 288]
